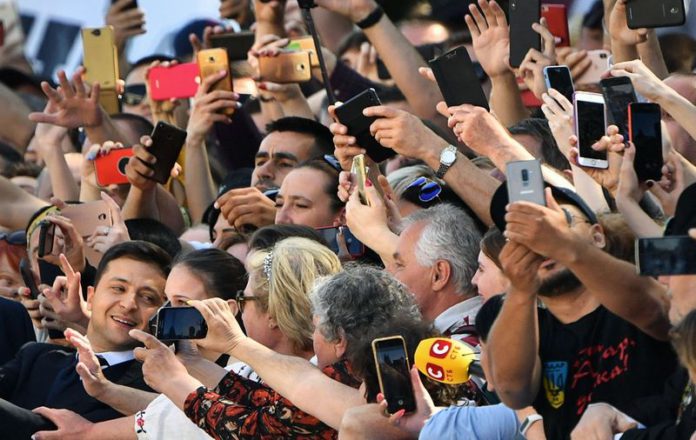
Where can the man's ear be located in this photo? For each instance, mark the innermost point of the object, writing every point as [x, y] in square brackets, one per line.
[340, 346]
[90, 296]
[599, 239]
[440, 275]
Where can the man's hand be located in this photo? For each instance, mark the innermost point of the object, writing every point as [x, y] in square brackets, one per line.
[69, 424]
[477, 129]
[354, 10]
[425, 408]
[613, 145]
[224, 333]
[491, 37]
[209, 106]
[88, 367]
[127, 21]
[521, 264]
[532, 67]
[32, 305]
[629, 187]
[104, 237]
[601, 421]
[577, 60]
[670, 187]
[48, 137]
[76, 106]
[239, 10]
[618, 27]
[66, 297]
[72, 242]
[644, 80]
[139, 169]
[246, 206]
[345, 149]
[559, 112]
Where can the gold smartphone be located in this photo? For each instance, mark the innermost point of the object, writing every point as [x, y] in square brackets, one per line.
[306, 44]
[359, 174]
[101, 64]
[212, 61]
[287, 67]
[393, 373]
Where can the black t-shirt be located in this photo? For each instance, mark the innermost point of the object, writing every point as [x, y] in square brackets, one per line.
[599, 358]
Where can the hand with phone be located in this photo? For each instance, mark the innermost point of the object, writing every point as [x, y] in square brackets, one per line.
[208, 108]
[629, 188]
[105, 237]
[69, 242]
[224, 333]
[345, 147]
[141, 166]
[127, 20]
[478, 129]
[65, 296]
[559, 112]
[612, 144]
[577, 61]
[644, 80]
[491, 37]
[370, 223]
[532, 66]
[619, 30]
[669, 188]
[247, 207]
[521, 265]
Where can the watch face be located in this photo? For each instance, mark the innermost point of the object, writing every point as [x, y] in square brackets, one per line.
[448, 157]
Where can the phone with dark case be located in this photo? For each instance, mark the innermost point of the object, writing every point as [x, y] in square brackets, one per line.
[618, 95]
[351, 115]
[132, 5]
[457, 78]
[167, 142]
[174, 323]
[525, 182]
[28, 278]
[110, 169]
[355, 248]
[557, 20]
[393, 373]
[237, 44]
[558, 78]
[47, 233]
[674, 255]
[523, 13]
[645, 131]
[655, 13]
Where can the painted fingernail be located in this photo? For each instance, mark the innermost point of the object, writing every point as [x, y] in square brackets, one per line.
[368, 183]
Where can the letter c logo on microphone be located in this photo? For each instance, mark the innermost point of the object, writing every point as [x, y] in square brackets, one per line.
[435, 371]
[440, 348]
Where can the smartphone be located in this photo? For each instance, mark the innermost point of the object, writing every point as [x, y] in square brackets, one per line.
[28, 278]
[286, 68]
[237, 44]
[645, 131]
[350, 114]
[452, 70]
[600, 60]
[100, 59]
[167, 142]
[666, 256]
[359, 175]
[110, 169]
[175, 82]
[174, 323]
[86, 217]
[393, 373]
[211, 62]
[355, 248]
[47, 234]
[655, 13]
[305, 44]
[618, 95]
[525, 182]
[427, 51]
[590, 126]
[557, 21]
[132, 5]
[558, 77]
[522, 37]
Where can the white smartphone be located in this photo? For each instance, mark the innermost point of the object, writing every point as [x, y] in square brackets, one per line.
[590, 126]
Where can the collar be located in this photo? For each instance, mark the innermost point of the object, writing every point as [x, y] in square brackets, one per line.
[117, 357]
[462, 313]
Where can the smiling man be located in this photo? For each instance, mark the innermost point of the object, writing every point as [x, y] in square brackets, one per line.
[129, 289]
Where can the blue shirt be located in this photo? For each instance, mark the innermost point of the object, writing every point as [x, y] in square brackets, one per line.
[495, 422]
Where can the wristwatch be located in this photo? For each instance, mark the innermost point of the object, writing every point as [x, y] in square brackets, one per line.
[447, 158]
[528, 422]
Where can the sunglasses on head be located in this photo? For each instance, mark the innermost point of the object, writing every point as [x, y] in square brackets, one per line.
[427, 189]
[17, 238]
[134, 94]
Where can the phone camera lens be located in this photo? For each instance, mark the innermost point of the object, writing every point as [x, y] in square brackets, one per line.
[96, 32]
[603, 55]
[525, 176]
[211, 59]
[122, 162]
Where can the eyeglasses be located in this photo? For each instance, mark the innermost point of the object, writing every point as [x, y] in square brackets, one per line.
[427, 189]
[574, 219]
[241, 299]
[17, 238]
[331, 160]
[134, 94]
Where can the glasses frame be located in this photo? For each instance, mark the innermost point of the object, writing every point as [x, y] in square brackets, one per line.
[240, 298]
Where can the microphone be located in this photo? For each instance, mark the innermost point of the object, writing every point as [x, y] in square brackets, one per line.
[446, 360]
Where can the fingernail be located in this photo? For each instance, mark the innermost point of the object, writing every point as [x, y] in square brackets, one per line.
[368, 183]
[215, 205]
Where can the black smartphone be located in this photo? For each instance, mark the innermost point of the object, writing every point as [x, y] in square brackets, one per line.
[618, 95]
[457, 78]
[645, 131]
[355, 248]
[525, 182]
[523, 13]
[47, 233]
[655, 13]
[558, 78]
[132, 5]
[427, 51]
[174, 323]
[666, 256]
[237, 44]
[351, 115]
[28, 278]
[167, 142]
[393, 373]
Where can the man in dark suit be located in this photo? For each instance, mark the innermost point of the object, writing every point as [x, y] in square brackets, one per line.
[129, 289]
[15, 329]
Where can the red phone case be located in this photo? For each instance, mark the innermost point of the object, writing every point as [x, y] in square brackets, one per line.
[557, 20]
[111, 168]
[178, 81]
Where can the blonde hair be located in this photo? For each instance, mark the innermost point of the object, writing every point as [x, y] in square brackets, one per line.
[683, 337]
[295, 264]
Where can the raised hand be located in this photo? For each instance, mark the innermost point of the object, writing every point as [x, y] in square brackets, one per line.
[224, 333]
[126, 21]
[104, 237]
[559, 112]
[65, 296]
[491, 37]
[532, 67]
[354, 10]
[75, 105]
[88, 367]
[670, 187]
[209, 106]
[613, 145]
[618, 27]
[247, 206]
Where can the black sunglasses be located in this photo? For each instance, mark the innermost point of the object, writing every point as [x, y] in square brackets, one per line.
[134, 94]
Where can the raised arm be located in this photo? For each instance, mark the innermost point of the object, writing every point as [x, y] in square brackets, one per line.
[23, 204]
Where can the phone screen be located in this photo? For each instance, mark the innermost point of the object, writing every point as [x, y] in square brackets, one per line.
[355, 247]
[618, 96]
[646, 135]
[393, 370]
[180, 323]
[559, 79]
[666, 256]
[590, 128]
[47, 234]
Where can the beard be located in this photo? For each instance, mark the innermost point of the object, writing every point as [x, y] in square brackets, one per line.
[559, 283]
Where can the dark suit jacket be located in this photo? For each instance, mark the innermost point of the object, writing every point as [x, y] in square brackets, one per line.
[30, 380]
[15, 329]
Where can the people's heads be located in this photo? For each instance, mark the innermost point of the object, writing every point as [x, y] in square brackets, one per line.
[683, 337]
[234, 244]
[685, 85]
[348, 304]
[203, 274]
[436, 257]
[153, 231]
[679, 52]
[290, 141]
[592, 32]
[308, 195]
[268, 236]
[132, 127]
[275, 304]
[536, 137]
[489, 278]
[129, 288]
[12, 250]
[135, 99]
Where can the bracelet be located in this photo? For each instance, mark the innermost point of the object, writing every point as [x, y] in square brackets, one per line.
[528, 422]
[372, 19]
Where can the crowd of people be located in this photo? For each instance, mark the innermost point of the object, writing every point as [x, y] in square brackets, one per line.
[296, 266]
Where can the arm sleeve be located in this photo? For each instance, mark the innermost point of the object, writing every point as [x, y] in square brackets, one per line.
[496, 422]
[663, 407]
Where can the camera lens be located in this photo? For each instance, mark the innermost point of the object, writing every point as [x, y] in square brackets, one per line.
[96, 32]
[122, 162]
[525, 175]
